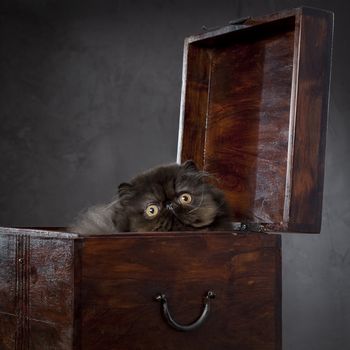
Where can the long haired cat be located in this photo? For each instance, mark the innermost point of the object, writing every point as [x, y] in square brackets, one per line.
[166, 198]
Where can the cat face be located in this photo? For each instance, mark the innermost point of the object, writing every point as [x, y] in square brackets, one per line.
[170, 198]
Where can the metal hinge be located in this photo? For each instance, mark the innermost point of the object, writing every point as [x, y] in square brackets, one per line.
[236, 23]
[248, 227]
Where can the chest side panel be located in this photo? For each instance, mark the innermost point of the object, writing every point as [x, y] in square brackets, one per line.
[310, 131]
[51, 293]
[36, 292]
[8, 276]
[122, 276]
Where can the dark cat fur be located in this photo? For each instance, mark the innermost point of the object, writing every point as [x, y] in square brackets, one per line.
[161, 186]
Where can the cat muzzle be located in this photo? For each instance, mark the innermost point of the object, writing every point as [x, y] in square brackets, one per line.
[169, 206]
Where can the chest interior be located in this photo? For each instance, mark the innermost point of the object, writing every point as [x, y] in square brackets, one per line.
[253, 114]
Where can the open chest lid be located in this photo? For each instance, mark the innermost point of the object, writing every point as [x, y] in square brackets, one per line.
[254, 114]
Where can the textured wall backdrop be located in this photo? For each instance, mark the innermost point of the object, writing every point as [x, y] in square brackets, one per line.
[90, 95]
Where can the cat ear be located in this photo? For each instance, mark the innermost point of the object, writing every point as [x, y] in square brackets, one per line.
[190, 165]
[124, 188]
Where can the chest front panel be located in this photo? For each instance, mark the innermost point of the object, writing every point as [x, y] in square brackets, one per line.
[122, 276]
[99, 292]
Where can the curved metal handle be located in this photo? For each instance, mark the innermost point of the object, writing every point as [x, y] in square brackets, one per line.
[190, 327]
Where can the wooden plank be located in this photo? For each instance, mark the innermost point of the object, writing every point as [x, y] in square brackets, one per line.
[254, 115]
[8, 319]
[122, 275]
[311, 121]
[36, 290]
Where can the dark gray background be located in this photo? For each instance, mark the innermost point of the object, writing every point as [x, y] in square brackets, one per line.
[90, 94]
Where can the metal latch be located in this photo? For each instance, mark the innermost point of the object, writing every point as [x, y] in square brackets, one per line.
[236, 23]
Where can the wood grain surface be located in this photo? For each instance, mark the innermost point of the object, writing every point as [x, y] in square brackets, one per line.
[122, 275]
[254, 112]
[98, 292]
[36, 290]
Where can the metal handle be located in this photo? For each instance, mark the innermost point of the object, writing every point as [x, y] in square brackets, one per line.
[190, 327]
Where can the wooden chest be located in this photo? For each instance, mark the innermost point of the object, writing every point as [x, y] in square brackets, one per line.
[253, 112]
[60, 291]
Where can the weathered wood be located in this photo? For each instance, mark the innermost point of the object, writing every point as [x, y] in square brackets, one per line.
[121, 276]
[253, 113]
[98, 292]
[36, 290]
[8, 289]
[316, 35]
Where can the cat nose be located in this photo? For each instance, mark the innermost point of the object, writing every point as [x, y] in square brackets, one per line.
[169, 205]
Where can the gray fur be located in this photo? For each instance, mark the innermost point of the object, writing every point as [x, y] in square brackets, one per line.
[160, 186]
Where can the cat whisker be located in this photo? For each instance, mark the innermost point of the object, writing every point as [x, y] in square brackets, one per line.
[200, 203]
[156, 228]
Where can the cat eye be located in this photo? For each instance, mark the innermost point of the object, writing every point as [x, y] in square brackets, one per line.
[185, 198]
[152, 210]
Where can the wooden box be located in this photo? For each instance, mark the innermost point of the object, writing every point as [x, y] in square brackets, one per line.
[61, 291]
[253, 112]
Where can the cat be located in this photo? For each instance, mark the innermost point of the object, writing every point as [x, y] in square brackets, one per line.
[166, 198]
